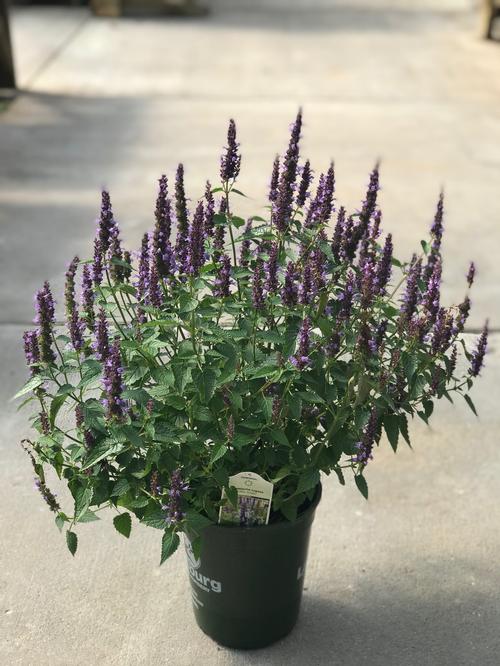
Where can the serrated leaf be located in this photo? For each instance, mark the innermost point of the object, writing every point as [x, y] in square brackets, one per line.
[106, 448]
[218, 452]
[468, 400]
[279, 436]
[71, 542]
[123, 524]
[30, 385]
[169, 545]
[403, 428]
[361, 485]
[391, 427]
[55, 406]
[88, 517]
[307, 481]
[196, 522]
[121, 487]
[206, 385]
[60, 520]
[83, 497]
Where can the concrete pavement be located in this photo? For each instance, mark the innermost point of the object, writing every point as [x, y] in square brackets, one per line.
[412, 576]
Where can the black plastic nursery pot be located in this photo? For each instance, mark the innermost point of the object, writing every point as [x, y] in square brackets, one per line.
[247, 584]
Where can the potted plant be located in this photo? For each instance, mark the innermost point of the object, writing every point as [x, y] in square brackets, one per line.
[269, 349]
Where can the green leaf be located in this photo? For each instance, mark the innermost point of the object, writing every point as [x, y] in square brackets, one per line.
[391, 427]
[55, 406]
[217, 452]
[71, 542]
[196, 522]
[88, 517]
[307, 481]
[240, 440]
[468, 400]
[262, 371]
[175, 401]
[403, 428]
[30, 385]
[361, 485]
[121, 487]
[311, 396]
[123, 524]
[295, 406]
[61, 518]
[279, 436]
[237, 221]
[169, 545]
[154, 517]
[132, 435]
[188, 305]
[83, 497]
[104, 449]
[206, 385]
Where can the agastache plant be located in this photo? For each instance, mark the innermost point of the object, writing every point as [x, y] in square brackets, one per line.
[287, 345]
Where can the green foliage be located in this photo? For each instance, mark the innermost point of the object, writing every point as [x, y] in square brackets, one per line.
[212, 385]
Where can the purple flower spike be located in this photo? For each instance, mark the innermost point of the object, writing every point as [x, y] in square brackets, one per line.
[222, 282]
[97, 266]
[101, 344]
[431, 296]
[282, 210]
[48, 495]
[478, 354]
[301, 358]
[76, 328]
[437, 235]
[143, 279]
[463, 315]
[411, 295]
[271, 270]
[69, 290]
[365, 446]
[245, 245]
[326, 209]
[306, 290]
[116, 406]
[370, 202]
[45, 315]
[384, 268]
[117, 271]
[305, 182]
[273, 187]
[106, 224]
[442, 331]
[471, 273]
[230, 162]
[196, 253]
[88, 297]
[209, 210]
[163, 210]
[182, 217]
[290, 292]
[347, 296]
[173, 506]
[163, 225]
[31, 350]
[338, 233]
[257, 289]
[155, 296]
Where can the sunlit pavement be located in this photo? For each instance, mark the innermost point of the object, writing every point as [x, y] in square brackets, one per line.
[410, 577]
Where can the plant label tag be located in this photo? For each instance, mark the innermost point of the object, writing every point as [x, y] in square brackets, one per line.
[253, 504]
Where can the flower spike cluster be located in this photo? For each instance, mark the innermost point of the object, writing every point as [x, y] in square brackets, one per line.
[287, 342]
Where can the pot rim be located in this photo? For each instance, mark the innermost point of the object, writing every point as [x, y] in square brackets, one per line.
[282, 524]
